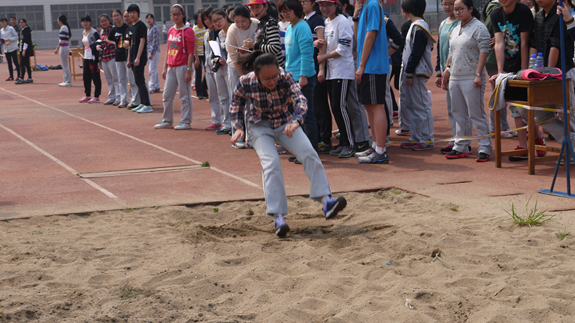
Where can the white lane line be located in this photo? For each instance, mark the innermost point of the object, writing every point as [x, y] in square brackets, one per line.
[59, 162]
[245, 181]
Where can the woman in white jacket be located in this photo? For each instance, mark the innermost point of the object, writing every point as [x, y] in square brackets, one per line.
[465, 76]
[10, 47]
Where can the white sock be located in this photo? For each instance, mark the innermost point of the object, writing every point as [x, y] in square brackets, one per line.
[374, 145]
[324, 200]
[379, 150]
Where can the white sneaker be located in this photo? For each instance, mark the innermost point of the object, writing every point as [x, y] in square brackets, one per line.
[183, 126]
[64, 84]
[164, 125]
[109, 102]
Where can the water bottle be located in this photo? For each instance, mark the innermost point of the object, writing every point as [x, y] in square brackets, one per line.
[533, 61]
[540, 60]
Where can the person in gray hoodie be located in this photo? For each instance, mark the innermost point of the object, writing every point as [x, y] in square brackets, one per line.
[465, 76]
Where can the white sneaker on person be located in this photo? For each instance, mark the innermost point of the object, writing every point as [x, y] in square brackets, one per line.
[183, 126]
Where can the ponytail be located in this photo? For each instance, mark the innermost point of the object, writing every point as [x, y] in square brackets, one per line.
[64, 21]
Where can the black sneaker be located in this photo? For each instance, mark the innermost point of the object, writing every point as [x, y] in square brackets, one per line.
[454, 154]
[362, 146]
[292, 159]
[29, 81]
[336, 151]
[347, 152]
[324, 148]
[482, 157]
[447, 149]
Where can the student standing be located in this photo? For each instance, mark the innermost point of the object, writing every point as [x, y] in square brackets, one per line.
[133, 94]
[64, 49]
[466, 78]
[200, 60]
[153, 44]
[165, 31]
[91, 72]
[512, 27]
[243, 28]
[138, 57]
[26, 49]
[267, 37]
[299, 61]
[10, 48]
[108, 61]
[417, 69]
[116, 37]
[178, 71]
[340, 74]
[445, 29]
[222, 23]
[491, 68]
[218, 92]
[15, 25]
[276, 115]
[372, 69]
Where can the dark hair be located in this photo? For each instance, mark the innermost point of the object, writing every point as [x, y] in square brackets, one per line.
[469, 5]
[349, 9]
[294, 5]
[230, 10]
[134, 7]
[118, 11]
[23, 20]
[196, 18]
[222, 13]
[206, 12]
[264, 59]
[86, 18]
[256, 59]
[181, 10]
[414, 7]
[242, 11]
[150, 15]
[536, 6]
[64, 20]
[12, 18]
[273, 10]
[3, 19]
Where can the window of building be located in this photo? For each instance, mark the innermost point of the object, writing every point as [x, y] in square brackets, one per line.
[75, 11]
[34, 15]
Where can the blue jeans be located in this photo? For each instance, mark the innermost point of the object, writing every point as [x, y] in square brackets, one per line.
[310, 123]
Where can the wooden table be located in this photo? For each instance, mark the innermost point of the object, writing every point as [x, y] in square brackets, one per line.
[538, 93]
[75, 53]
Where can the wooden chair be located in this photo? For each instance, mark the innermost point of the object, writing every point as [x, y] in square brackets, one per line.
[75, 53]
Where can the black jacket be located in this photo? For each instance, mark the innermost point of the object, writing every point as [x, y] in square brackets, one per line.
[26, 38]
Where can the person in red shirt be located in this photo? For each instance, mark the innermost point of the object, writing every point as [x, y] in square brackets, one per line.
[178, 71]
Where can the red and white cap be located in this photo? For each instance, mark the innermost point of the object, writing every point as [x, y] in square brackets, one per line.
[257, 2]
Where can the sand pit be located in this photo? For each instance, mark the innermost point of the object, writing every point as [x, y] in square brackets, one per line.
[193, 264]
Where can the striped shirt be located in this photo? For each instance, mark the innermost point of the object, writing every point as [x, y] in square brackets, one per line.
[267, 38]
[199, 32]
[285, 103]
[64, 36]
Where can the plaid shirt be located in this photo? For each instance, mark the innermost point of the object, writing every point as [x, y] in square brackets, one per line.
[285, 103]
[153, 40]
[109, 51]
[546, 34]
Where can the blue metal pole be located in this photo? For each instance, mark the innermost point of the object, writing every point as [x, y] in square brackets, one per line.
[566, 138]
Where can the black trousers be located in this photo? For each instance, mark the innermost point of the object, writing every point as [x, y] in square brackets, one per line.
[141, 83]
[322, 112]
[13, 57]
[201, 84]
[25, 66]
[338, 91]
[92, 74]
